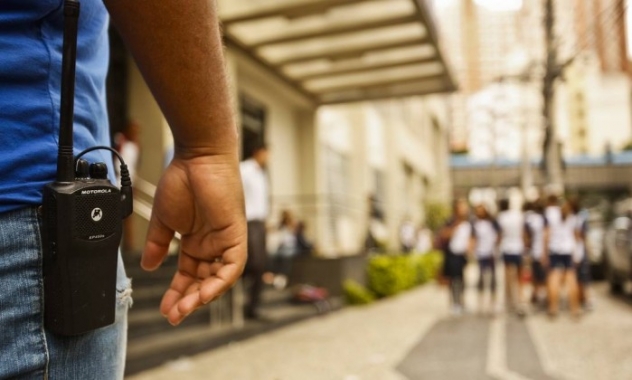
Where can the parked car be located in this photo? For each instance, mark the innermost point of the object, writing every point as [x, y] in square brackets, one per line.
[618, 253]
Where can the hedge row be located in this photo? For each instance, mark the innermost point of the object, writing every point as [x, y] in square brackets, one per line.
[392, 274]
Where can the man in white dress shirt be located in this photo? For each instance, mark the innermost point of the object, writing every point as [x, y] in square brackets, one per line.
[255, 183]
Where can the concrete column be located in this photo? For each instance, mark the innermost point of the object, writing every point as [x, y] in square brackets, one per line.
[308, 201]
[361, 176]
[394, 174]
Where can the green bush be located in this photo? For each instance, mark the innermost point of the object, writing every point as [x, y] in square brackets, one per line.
[390, 275]
[428, 266]
[357, 294]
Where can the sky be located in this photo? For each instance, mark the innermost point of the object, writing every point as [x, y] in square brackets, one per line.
[514, 5]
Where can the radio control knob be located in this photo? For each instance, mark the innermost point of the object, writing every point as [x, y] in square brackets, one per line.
[82, 170]
[99, 170]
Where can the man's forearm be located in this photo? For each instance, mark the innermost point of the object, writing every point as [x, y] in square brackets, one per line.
[178, 48]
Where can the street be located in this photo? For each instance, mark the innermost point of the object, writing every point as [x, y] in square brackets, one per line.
[412, 337]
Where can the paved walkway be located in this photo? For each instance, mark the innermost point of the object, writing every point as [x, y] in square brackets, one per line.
[412, 337]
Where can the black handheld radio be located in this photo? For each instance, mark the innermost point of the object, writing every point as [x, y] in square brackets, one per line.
[82, 220]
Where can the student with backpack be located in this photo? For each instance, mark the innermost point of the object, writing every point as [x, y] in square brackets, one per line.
[561, 237]
[535, 226]
[485, 233]
[456, 236]
[511, 224]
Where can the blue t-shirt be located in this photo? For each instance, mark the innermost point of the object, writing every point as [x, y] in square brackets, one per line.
[31, 36]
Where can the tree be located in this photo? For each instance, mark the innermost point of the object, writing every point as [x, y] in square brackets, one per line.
[553, 70]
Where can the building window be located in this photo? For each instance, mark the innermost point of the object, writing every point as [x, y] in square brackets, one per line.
[379, 194]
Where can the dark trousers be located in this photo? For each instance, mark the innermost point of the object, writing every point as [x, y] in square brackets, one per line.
[256, 265]
[453, 267]
[487, 265]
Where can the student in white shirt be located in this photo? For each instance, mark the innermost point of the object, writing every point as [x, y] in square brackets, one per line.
[457, 234]
[512, 236]
[485, 235]
[561, 237]
[255, 184]
[535, 226]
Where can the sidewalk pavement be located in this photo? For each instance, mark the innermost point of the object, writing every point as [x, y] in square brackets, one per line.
[597, 347]
[414, 334]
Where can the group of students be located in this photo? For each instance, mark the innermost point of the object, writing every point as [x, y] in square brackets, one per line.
[548, 236]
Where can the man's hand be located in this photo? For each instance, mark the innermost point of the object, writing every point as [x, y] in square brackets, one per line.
[178, 49]
[202, 199]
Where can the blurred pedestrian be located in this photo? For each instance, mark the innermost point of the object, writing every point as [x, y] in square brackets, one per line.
[535, 226]
[256, 193]
[423, 241]
[304, 247]
[486, 237]
[511, 224]
[457, 237]
[582, 264]
[560, 244]
[286, 250]
[407, 235]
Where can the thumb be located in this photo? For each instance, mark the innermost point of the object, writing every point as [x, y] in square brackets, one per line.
[159, 237]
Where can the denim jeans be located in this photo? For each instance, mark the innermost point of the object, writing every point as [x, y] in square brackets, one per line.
[27, 350]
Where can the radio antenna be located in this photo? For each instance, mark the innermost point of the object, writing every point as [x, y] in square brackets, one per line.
[65, 155]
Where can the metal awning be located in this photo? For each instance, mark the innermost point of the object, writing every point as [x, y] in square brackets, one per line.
[336, 51]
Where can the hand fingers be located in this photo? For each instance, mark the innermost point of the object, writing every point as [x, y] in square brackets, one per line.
[199, 282]
[158, 239]
[182, 297]
[182, 307]
[187, 293]
[218, 284]
[182, 283]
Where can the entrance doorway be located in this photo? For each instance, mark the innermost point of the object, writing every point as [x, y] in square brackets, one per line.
[253, 125]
